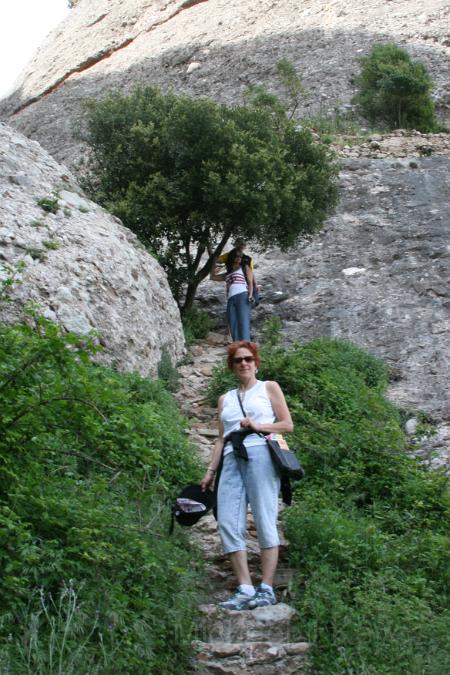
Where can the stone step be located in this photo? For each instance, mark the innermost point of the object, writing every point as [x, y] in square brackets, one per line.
[261, 658]
[217, 339]
[263, 624]
[202, 431]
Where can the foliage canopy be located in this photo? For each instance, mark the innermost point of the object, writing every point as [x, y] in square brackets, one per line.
[186, 175]
[395, 90]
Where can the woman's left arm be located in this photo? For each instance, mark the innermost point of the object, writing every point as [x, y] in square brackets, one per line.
[250, 282]
[284, 422]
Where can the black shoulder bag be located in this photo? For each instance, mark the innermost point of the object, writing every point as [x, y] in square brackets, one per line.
[285, 461]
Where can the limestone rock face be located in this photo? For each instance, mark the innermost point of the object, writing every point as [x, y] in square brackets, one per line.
[217, 49]
[378, 275]
[83, 267]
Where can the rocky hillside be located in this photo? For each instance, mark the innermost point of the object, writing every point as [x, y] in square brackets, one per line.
[378, 273]
[216, 48]
[83, 268]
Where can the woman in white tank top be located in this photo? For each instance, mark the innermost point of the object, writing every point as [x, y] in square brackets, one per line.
[251, 481]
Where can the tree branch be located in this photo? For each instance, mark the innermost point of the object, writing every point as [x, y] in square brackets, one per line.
[51, 400]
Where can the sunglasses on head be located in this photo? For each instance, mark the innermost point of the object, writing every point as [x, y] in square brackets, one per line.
[239, 359]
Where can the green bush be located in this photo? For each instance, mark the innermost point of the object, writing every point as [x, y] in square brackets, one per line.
[395, 91]
[167, 372]
[368, 529]
[197, 323]
[89, 461]
[380, 626]
[49, 204]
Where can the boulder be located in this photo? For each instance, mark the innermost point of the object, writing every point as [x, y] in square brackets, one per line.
[83, 268]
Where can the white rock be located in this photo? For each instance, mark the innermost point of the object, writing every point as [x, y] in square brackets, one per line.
[74, 200]
[411, 426]
[350, 271]
[195, 65]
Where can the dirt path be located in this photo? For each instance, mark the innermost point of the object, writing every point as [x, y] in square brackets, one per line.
[257, 641]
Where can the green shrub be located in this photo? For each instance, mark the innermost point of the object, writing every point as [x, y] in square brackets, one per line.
[49, 204]
[197, 323]
[379, 627]
[89, 461]
[51, 245]
[167, 372]
[395, 91]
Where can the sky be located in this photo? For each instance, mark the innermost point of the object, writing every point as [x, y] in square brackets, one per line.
[23, 26]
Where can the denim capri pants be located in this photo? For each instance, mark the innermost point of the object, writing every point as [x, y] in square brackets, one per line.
[253, 482]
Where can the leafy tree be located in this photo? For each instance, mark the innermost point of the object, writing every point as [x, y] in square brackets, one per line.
[185, 175]
[395, 91]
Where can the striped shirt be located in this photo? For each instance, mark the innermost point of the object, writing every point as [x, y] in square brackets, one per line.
[236, 282]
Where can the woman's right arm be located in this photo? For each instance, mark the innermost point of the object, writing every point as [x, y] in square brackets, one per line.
[210, 474]
[215, 275]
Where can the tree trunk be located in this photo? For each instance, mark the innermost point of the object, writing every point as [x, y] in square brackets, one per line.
[191, 292]
[192, 286]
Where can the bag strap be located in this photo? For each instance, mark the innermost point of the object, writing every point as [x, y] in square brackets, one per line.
[240, 403]
[286, 490]
[258, 433]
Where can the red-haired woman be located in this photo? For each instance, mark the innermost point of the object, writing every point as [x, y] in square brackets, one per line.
[251, 481]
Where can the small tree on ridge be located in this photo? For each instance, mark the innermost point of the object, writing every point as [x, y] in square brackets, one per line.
[187, 174]
[395, 91]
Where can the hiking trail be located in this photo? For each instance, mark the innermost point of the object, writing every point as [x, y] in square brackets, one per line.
[261, 641]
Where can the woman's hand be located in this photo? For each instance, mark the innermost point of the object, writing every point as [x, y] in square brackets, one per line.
[248, 423]
[207, 482]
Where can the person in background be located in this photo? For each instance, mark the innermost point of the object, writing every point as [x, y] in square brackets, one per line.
[239, 283]
[254, 480]
[240, 245]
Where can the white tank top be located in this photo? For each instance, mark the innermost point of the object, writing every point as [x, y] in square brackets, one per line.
[256, 404]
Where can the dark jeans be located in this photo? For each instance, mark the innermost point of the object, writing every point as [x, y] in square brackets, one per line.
[238, 314]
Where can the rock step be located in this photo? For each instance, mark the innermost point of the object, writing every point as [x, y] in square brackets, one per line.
[237, 658]
[263, 624]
